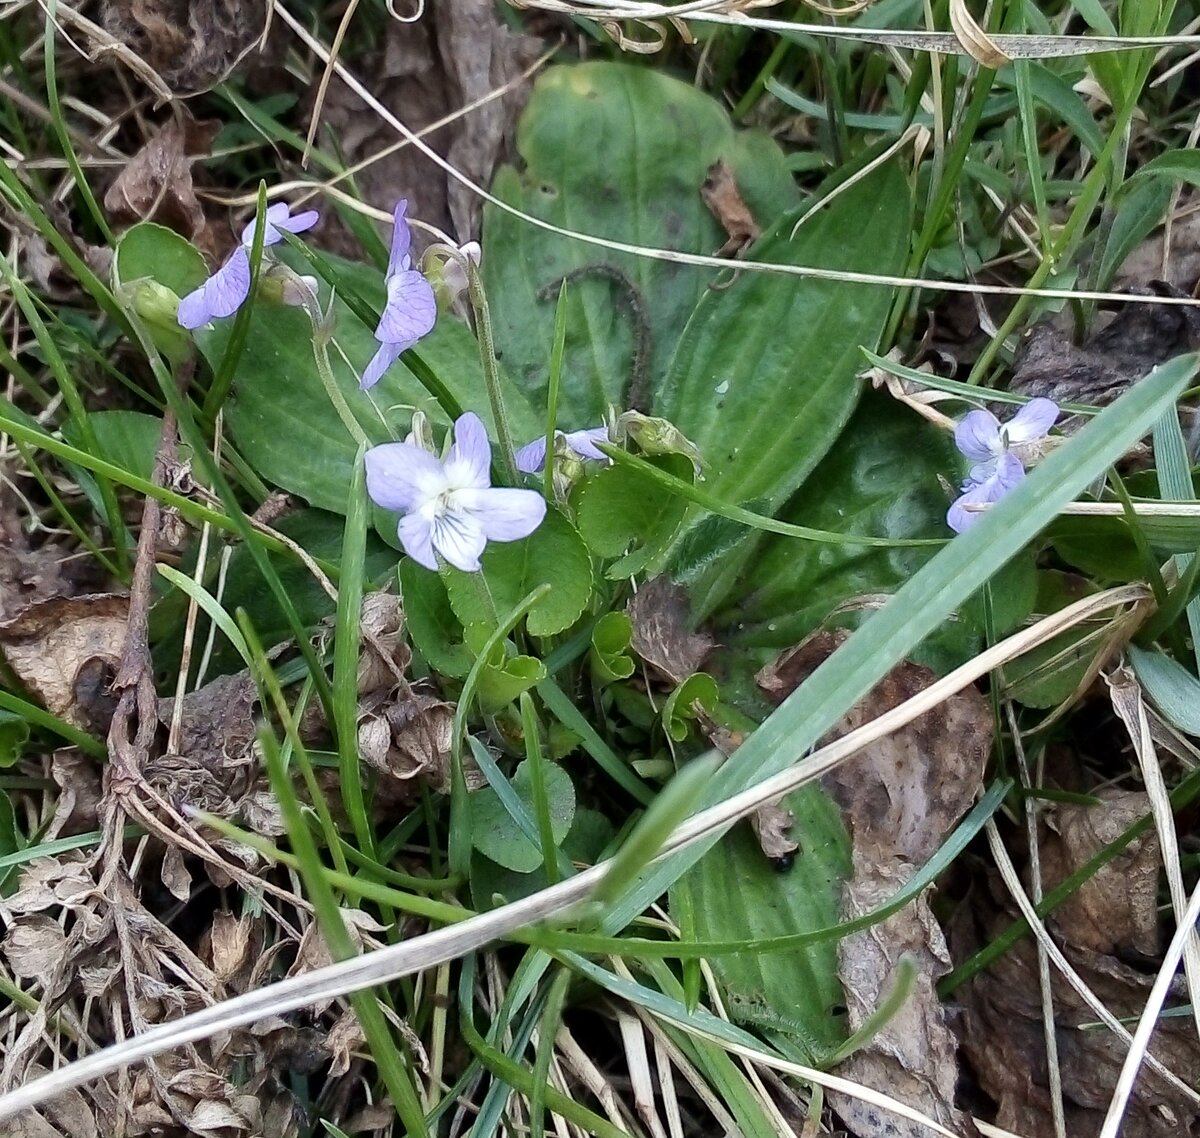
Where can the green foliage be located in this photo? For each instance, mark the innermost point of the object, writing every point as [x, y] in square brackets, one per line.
[609, 653]
[736, 893]
[554, 554]
[497, 835]
[763, 379]
[619, 152]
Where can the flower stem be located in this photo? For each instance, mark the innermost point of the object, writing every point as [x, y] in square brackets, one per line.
[325, 371]
[491, 372]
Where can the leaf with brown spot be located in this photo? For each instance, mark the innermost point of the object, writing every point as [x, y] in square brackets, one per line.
[662, 630]
[156, 184]
[723, 198]
[64, 648]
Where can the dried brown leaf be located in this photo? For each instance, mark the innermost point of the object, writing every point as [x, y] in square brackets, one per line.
[915, 1056]
[724, 200]
[65, 650]
[1117, 908]
[662, 630]
[192, 44]
[1001, 1019]
[903, 794]
[34, 946]
[77, 809]
[772, 826]
[156, 184]
[900, 797]
[1119, 351]
[344, 1040]
[458, 52]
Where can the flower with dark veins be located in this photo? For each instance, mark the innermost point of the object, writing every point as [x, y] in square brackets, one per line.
[410, 310]
[1000, 453]
[531, 458]
[227, 289]
[449, 506]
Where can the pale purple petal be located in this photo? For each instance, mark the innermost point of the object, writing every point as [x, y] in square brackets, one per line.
[410, 311]
[978, 435]
[980, 473]
[469, 461]
[459, 538]
[502, 514]
[401, 477]
[383, 359]
[221, 295]
[531, 457]
[583, 443]
[398, 259]
[416, 535]
[277, 217]
[1009, 472]
[1033, 421]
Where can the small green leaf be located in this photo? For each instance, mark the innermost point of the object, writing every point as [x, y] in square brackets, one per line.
[152, 251]
[609, 655]
[128, 439]
[504, 678]
[554, 554]
[497, 836]
[1048, 674]
[1011, 596]
[617, 507]
[14, 734]
[696, 694]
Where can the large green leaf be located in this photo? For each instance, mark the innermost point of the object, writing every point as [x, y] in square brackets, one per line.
[882, 481]
[619, 152]
[282, 420]
[737, 893]
[764, 377]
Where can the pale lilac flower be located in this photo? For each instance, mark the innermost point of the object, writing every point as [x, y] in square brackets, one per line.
[530, 459]
[410, 310]
[226, 290]
[449, 506]
[999, 452]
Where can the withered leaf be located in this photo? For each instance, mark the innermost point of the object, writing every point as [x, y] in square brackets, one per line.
[64, 650]
[904, 793]
[156, 185]
[1001, 1018]
[662, 631]
[192, 44]
[1120, 350]
[772, 826]
[915, 1056]
[34, 946]
[1117, 908]
[900, 797]
[721, 194]
[456, 54]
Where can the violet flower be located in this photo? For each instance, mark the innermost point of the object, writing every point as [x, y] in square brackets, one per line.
[1000, 453]
[410, 310]
[226, 290]
[449, 506]
[530, 459]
